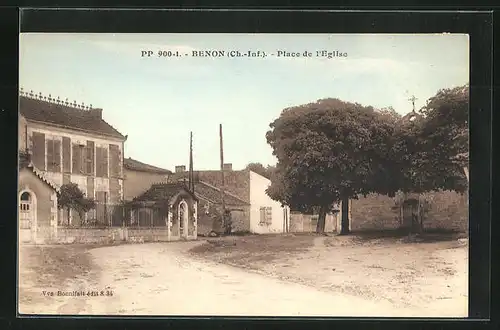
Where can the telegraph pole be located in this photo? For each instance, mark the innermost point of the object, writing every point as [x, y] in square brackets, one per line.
[191, 176]
[222, 177]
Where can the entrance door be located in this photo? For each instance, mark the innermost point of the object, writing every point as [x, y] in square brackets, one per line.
[410, 213]
[183, 219]
[26, 217]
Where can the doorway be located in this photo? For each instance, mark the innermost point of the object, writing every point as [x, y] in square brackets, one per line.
[410, 214]
[27, 216]
[183, 219]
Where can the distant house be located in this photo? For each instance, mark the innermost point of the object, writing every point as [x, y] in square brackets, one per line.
[252, 210]
[139, 176]
[67, 142]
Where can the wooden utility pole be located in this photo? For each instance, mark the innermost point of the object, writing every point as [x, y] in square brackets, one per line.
[222, 177]
[191, 177]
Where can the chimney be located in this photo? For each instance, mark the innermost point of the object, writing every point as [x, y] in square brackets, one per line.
[227, 167]
[180, 168]
[97, 112]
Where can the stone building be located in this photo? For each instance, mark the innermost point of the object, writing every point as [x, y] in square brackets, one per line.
[73, 143]
[37, 198]
[252, 210]
[169, 205]
[139, 176]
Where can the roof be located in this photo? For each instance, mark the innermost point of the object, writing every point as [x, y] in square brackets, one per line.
[136, 165]
[206, 191]
[234, 181]
[163, 191]
[65, 115]
[24, 162]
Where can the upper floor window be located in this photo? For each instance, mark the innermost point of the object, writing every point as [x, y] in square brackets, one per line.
[53, 155]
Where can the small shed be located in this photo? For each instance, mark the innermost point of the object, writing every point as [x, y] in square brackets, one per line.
[169, 205]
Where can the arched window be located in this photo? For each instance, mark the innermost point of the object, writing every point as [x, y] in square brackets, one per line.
[25, 196]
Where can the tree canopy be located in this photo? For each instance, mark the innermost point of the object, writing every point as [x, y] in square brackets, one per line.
[265, 171]
[328, 151]
[72, 198]
[430, 152]
[445, 137]
[331, 150]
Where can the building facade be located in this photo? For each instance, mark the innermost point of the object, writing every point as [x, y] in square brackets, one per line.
[139, 176]
[256, 211]
[71, 143]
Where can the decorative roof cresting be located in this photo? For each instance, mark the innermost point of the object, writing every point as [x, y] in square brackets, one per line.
[54, 100]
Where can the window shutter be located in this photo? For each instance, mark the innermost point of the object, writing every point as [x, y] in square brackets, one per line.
[57, 155]
[77, 158]
[269, 215]
[50, 155]
[262, 215]
[39, 150]
[89, 160]
[105, 162]
[66, 151]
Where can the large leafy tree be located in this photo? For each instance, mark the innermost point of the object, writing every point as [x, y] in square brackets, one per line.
[429, 152]
[445, 131]
[330, 151]
[265, 171]
[430, 148]
[72, 198]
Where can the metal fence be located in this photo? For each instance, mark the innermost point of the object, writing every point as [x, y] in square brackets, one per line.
[115, 215]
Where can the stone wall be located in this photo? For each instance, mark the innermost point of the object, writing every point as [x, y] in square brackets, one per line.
[374, 212]
[236, 182]
[306, 223]
[111, 235]
[447, 210]
[209, 212]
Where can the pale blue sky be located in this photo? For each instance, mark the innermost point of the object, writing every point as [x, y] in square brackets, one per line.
[157, 101]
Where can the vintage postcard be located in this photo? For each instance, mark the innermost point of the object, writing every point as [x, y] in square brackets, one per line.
[243, 175]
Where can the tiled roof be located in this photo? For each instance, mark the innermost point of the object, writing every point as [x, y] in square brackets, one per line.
[206, 191]
[162, 191]
[136, 165]
[234, 180]
[64, 115]
[24, 162]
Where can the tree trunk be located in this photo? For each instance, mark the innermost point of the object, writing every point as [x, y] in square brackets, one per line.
[69, 212]
[320, 226]
[344, 226]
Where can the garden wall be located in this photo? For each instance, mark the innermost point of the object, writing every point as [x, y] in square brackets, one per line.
[448, 210]
[111, 235]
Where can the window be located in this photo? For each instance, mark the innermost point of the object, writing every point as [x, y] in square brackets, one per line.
[89, 159]
[266, 216]
[53, 155]
[101, 162]
[78, 159]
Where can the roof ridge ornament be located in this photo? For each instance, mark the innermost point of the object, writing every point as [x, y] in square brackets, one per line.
[52, 99]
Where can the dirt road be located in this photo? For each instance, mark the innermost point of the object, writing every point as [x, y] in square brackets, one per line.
[160, 279]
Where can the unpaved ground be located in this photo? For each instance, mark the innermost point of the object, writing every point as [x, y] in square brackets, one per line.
[430, 276]
[163, 279]
[46, 269]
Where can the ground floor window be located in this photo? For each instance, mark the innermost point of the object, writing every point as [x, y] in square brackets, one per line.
[265, 216]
